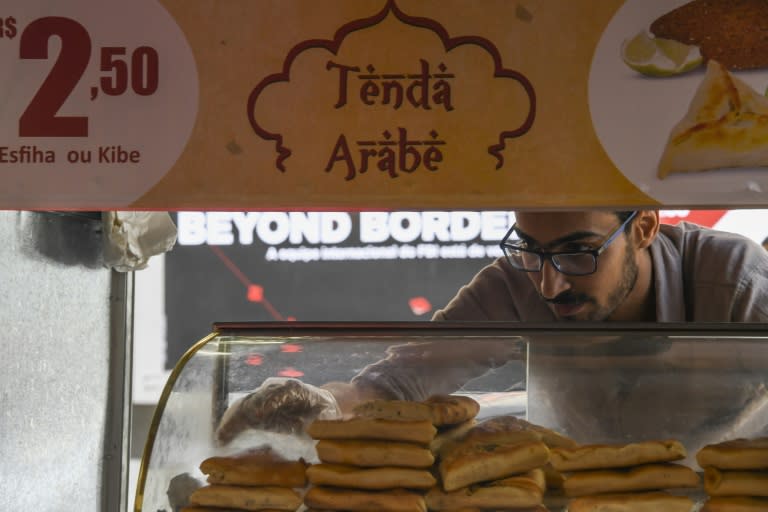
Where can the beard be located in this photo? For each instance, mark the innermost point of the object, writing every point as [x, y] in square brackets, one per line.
[622, 290]
[618, 295]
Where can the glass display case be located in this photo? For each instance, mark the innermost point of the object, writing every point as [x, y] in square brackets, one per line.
[698, 384]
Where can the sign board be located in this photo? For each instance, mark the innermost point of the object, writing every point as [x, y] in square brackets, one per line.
[373, 104]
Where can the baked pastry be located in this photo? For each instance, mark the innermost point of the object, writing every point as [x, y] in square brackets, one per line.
[380, 478]
[735, 483]
[393, 410]
[735, 454]
[735, 504]
[482, 463]
[518, 494]
[726, 126]
[246, 498]
[506, 430]
[326, 498]
[441, 410]
[451, 409]
[552, 477]
[258, 467]
[641, 478]
[537, 508]
[195, 508]
[631, 502]
[371, 453]
[604, 456]
[534, 476]
[450, 433]
[371, 428]
[503, 428]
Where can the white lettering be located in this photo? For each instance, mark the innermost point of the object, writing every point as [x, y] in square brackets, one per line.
[314, 228]
[304, 226]
[294, 254]
[373, 227]
[493, 251]
[191, 228]
[465, 226]
[273, 228]
[220, 229]
[246, 223]
[453, 251]
[496, 224]
[476, 251]
[405, 226]
[335, 227]
[435, 225]
[428, 251]
[407, 252]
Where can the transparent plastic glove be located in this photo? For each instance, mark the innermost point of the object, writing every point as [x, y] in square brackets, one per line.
[415, 371]
[180, 488]
[279, 405]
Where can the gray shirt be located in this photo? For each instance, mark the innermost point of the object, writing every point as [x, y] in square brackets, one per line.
[700, 275]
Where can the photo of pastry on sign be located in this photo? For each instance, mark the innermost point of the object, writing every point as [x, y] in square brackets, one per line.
[726, 126]
[677, 99]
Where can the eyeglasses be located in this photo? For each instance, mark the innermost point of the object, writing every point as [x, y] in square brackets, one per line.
[572, 263]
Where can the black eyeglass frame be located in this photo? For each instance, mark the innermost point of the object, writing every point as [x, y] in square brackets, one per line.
[552, 256]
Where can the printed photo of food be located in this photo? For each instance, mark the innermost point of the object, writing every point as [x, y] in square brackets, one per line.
[689, 97]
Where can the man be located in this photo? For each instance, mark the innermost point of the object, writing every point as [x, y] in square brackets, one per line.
[597, 266]
[625, 266]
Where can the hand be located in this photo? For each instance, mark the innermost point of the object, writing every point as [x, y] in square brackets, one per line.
[280, 405]
[415, 371]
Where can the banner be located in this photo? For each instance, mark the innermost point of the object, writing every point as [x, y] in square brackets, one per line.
[380, 104]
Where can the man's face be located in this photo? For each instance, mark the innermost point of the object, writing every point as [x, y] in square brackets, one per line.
[593, 297]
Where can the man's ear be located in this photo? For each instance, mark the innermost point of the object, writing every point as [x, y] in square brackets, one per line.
[645, 227]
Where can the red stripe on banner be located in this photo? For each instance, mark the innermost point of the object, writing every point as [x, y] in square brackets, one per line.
[707, 218]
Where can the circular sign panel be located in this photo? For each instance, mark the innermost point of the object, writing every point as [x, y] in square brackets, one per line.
[98, 101]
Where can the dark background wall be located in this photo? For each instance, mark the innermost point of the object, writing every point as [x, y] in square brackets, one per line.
[213, 282]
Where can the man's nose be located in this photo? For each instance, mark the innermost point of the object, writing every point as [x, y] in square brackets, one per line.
[552, 283]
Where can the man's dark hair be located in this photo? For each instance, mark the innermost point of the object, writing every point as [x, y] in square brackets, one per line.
[624, 216]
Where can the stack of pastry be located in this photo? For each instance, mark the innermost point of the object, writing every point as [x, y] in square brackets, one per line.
[497, 464]
[735, 475]
[625, 477]
[379, 459]
[257, 479]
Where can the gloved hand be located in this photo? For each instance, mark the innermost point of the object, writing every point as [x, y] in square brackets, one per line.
[415, 371]
[180, 488]
[279, 405]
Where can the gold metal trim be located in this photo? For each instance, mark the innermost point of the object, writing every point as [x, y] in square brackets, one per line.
[147, 454]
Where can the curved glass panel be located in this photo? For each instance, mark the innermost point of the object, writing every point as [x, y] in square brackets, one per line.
[593, 384]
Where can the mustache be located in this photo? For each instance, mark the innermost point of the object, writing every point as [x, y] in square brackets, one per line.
[568, 298]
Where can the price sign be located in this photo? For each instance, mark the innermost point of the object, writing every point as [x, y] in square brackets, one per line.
[98, 102]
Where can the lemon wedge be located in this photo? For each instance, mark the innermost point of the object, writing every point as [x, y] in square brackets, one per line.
[654, 56]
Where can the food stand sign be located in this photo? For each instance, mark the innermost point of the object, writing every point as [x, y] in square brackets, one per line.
[381, 104]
